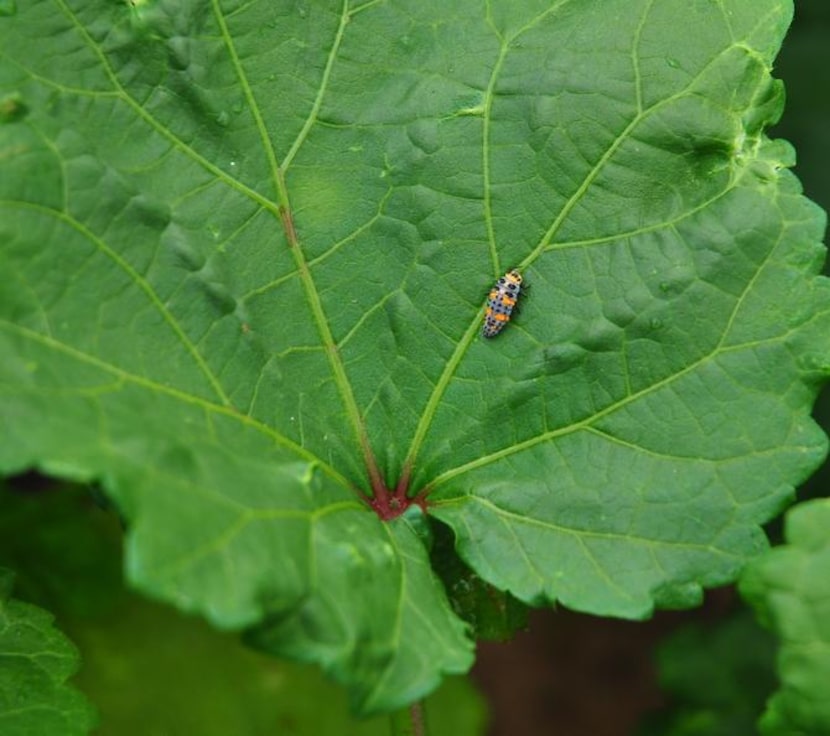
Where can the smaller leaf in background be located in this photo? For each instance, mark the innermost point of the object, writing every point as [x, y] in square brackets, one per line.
[390, 655]
[717, 677]
[790, 589]
[35, 661]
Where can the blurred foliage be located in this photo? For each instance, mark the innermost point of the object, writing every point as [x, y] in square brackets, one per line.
[789, 589]
[36, 660]
[717, 677]
[151, 671]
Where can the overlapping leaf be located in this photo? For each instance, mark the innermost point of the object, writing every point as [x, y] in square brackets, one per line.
[147, 668]
[244, 252]
[35, 661]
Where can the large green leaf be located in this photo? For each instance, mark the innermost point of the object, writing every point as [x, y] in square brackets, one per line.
[790, 588]
[35, 661]
[245, 249]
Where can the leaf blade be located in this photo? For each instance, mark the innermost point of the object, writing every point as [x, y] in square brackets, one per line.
[275, 226]
[37, 659]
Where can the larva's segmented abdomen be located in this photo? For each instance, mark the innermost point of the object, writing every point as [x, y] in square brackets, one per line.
[500, 303]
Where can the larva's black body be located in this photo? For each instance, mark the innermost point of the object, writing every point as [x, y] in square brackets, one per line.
[501, 302]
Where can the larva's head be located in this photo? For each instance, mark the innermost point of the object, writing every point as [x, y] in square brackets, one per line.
[514, 276]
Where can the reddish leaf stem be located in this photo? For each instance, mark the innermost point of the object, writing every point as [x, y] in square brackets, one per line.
[409, 722]
[386, 505]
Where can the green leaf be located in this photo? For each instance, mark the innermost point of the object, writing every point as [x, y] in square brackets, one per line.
[35, 661]
[789, 587]
[717, 677]
[245, 249]
[151, 670]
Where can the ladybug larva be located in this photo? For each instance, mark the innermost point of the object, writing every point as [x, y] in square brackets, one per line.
[501, 302]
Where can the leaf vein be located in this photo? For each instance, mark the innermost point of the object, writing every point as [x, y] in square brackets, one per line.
[321, 91]
[226, 411]
[141, 282]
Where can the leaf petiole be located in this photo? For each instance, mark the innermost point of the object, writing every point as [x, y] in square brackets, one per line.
[409, 721]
